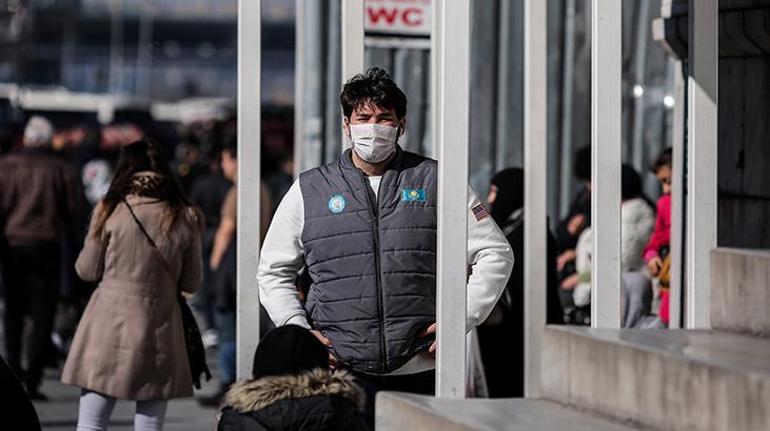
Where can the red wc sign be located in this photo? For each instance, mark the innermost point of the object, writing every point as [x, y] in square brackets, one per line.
[398, 17]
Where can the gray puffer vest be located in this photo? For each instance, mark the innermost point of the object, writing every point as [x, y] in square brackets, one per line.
[371, 259]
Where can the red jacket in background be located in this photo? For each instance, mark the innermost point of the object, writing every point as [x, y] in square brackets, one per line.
[661, 237]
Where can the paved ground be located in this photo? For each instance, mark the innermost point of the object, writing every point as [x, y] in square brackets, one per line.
[61, 411]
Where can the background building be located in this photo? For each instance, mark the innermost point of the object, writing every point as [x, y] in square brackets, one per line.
[159, 49]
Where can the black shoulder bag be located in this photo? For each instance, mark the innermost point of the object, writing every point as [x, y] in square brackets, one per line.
[196, 353]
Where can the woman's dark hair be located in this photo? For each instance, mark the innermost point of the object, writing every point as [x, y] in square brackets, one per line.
[631, 186]
[663, 160]
[582, 164]
[374, 87]
[510, 194]
[143, 156]
[286, 350]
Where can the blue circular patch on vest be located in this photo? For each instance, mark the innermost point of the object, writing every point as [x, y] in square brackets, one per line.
[337, 204]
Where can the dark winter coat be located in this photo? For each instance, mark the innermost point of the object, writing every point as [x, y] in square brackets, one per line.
[315, 400]
[40, 197]
[504, 363]
[21, 414]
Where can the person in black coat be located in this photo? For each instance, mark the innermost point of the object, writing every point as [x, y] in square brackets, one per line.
[293, 389]
[504, 361]
[14, 400]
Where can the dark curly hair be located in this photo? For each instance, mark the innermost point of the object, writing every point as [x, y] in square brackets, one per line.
[374, 87]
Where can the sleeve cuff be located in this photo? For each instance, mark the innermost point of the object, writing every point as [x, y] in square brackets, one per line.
[649, 255]
[299, 320]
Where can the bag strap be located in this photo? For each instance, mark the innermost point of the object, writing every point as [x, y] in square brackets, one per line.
[149, 238]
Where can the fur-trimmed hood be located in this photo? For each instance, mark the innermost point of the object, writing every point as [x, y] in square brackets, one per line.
[254, 395]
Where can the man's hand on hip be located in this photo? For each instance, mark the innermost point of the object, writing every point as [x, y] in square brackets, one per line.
[430, 330]
[327, 343]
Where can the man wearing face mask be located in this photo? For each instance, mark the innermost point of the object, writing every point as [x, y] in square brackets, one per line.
[364, 227]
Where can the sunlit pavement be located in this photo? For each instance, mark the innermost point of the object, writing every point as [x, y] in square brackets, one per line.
[60, 412]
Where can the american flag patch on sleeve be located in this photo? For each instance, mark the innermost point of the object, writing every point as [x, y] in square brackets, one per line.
[480, 211]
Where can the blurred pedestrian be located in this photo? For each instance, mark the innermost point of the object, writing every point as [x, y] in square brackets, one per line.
[279, 180]
[637, 218]
[20, 412]
[567, 234]
[223, 264]
[504, 363]
[293, 389]
[208, 194]
[144, 245]
[40, 204]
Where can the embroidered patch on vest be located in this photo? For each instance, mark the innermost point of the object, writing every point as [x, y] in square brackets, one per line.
[337, 204]
[413, 195]
[480, 211]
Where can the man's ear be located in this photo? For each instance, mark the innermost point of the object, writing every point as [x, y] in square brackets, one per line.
[346, 126]
[402, 127]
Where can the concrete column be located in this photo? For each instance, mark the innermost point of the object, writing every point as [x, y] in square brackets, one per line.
[535, 189]
[606, 109]
[702, 85]
[249, 112]
[452, 40]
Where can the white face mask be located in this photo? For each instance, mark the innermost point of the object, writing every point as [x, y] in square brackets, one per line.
[373, 142]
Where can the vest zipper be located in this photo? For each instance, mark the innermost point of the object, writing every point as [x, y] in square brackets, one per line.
[380, 299]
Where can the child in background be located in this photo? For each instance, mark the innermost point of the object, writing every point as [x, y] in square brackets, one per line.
[656, 251]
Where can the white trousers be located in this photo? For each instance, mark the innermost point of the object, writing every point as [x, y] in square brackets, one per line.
[96, 409]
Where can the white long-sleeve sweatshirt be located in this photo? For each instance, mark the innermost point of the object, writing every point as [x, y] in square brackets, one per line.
[489, 256]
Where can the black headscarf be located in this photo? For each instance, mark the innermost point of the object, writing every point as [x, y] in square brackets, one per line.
[510, 194]
[631, 186]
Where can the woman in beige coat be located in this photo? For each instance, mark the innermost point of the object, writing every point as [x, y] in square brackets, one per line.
[130, 342]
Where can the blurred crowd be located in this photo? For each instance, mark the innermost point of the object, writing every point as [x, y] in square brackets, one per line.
[645, 262]
[67, 169]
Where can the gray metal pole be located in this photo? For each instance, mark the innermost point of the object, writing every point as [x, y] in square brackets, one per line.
[453, 43]
[640, 47]
[353, 47]
[299, 84]
[311, 84]
[702, 87]
[352, 38]
[248, 245]
[535, 189]
[606, 108]
[567, 181]
[435, 83]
